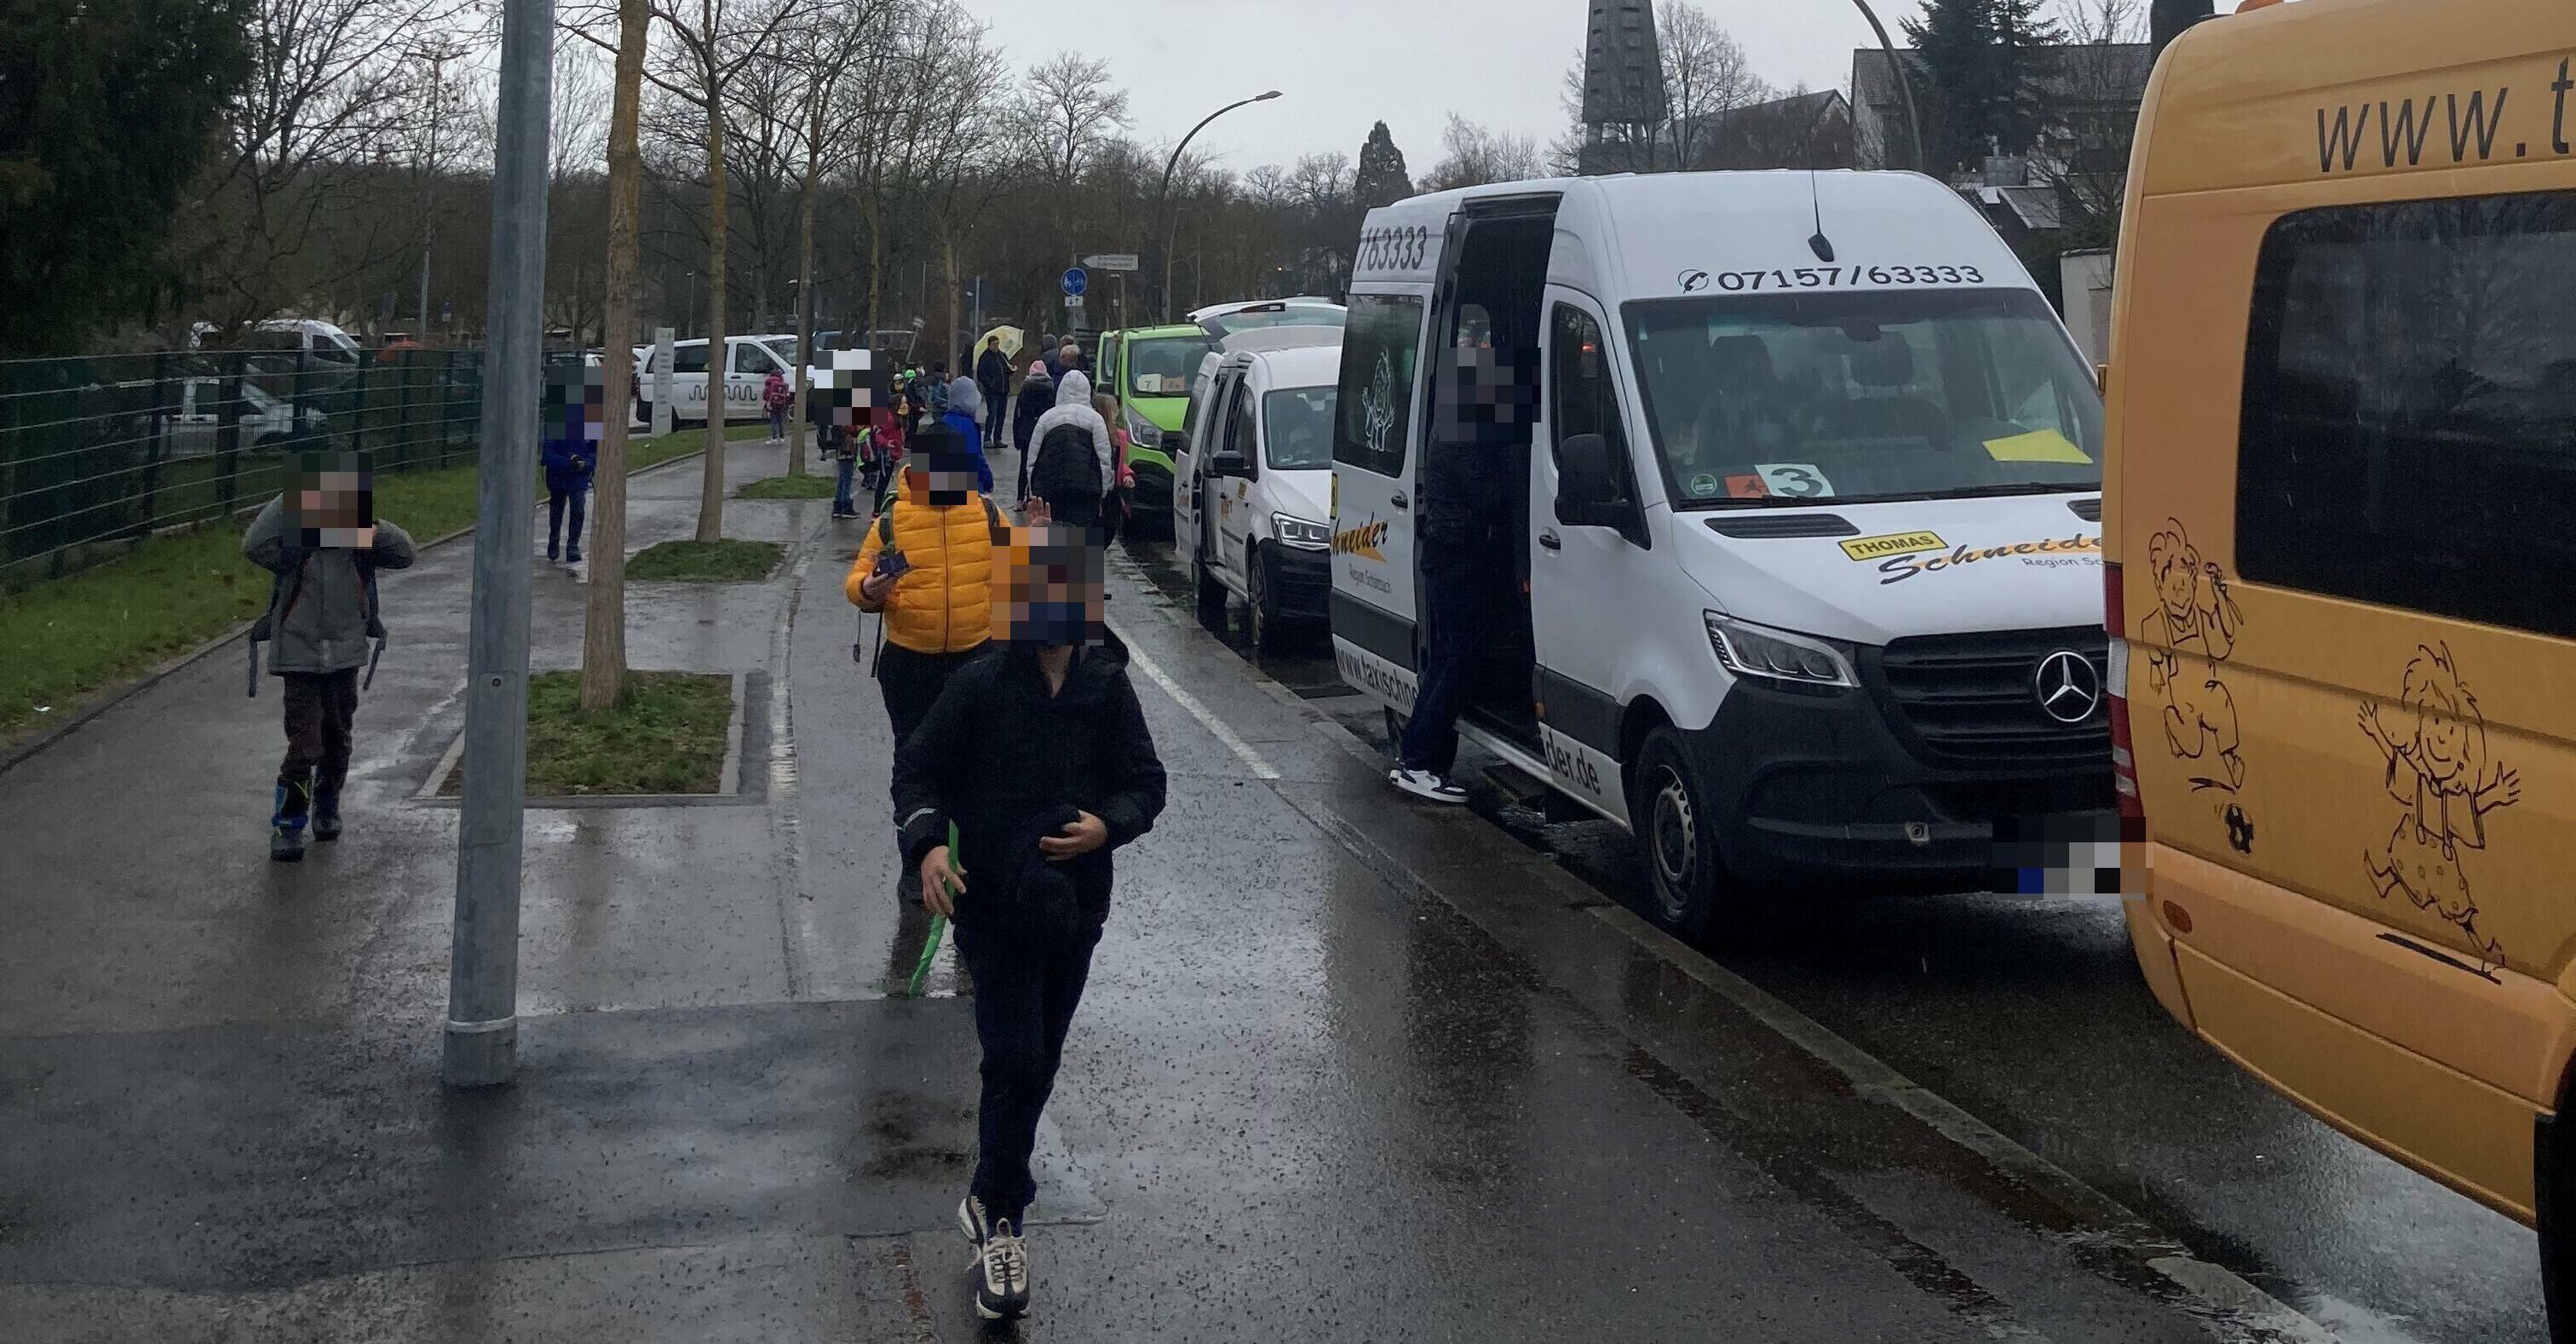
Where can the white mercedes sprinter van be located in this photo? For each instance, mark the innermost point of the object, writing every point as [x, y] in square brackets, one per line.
[1801, 576]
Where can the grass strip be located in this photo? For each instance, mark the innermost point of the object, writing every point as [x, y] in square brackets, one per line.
[78, 636]
[724, 561]
[666, 734]
[789, 487]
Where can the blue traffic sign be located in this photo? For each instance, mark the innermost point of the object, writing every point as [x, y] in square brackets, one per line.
[1075, 282]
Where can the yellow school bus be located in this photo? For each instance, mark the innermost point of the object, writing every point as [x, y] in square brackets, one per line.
[2340, 511]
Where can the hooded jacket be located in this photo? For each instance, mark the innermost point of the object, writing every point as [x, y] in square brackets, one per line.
[319, 617]
[965, 414]
[944, 603]
[1037, 397]
[1001, 757]
[1073, 408]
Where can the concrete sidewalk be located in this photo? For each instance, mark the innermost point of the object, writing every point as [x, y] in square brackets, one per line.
[1348, 1068]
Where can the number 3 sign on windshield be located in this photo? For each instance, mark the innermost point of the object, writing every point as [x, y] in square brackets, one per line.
[1794, 480]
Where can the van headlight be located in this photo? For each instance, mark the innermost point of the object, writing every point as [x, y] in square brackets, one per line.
[1750, 650]
[1141, 430]
[1301, 533]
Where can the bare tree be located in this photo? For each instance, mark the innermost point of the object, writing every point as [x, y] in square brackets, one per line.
[603, 635]
[841, 40]
[331, 95]
[713, 41]
[1707, 77]
[1474, 155]
[1072, 103]
[2083, 147]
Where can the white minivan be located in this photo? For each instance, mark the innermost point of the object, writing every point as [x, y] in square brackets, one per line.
[748, 362]
[1252, 492]
[1797, 572]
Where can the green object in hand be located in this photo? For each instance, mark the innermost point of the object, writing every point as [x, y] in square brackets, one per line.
[938, 925]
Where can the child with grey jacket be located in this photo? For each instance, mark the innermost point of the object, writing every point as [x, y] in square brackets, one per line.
[322, 541]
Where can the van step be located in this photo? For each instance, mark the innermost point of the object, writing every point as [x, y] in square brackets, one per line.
[1520, 785]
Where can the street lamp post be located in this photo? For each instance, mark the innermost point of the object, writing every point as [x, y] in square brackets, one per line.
[1163, 198]
[1904, 85]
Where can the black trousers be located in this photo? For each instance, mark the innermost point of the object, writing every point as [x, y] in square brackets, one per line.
[1450, 596]
[555, 518]
[912, 682]
[321, 718]
[1026, 988]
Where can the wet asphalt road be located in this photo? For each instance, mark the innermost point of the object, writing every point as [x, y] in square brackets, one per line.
[1349, 1068]
[2029, 1013]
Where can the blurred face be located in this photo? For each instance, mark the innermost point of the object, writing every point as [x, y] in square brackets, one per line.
[939, 477]
[1050, 596]
[333, 502]
[1494, 393]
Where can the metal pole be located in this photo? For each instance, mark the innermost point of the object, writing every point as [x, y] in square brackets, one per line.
[1163, 196]
[1904, 84]
[482, 1044]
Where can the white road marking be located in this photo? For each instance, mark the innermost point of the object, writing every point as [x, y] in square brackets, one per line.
[2238, 1311]
[2256, 1314]
[1261, 769]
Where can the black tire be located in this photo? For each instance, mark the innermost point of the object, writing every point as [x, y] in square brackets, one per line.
[1261, 617]
[2554, 1189]
[1210, 594]
[1668, 808]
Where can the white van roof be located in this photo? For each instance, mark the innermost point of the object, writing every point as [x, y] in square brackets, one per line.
[1280, 338]
[1305, 366]
[1686, 233]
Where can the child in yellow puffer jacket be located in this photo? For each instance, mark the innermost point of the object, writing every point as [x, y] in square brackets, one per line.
[927, 566]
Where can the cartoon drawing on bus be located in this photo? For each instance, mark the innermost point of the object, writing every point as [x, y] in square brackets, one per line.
[2195, 616]
[2438, 767]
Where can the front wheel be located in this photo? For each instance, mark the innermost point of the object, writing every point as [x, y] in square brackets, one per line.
[1676, 832]
[1269, 633]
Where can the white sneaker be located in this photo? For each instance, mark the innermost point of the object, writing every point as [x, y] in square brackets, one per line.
[972, 1220]
[1424, 784]
[1002, 1275]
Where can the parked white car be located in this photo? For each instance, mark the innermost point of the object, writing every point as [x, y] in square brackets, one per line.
[1253, 480]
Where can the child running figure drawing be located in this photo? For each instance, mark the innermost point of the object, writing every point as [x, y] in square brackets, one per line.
[2438, 767]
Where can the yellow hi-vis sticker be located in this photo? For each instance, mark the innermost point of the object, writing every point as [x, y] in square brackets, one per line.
[2045, 445]
[1893, 543]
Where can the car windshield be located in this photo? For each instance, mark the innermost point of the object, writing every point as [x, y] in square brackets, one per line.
[1298, 423]
[1162, 367]
[1285, 315]
[1860, 396]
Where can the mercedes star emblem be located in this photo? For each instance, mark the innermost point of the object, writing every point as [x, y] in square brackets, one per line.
[2069, 688]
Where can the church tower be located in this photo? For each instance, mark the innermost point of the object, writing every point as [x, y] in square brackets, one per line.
[1623, 87]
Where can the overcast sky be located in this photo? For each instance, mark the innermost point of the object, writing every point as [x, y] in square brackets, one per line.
[1342, 64]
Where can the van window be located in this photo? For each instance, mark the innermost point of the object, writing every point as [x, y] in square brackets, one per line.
[689, 358]
[1375, 399]
[1239, 437]
[1162, 367]
[1104, 365]
[1859, 396]
[2409, 425]
[1300, 425]
[1582, 398]
[751, 358]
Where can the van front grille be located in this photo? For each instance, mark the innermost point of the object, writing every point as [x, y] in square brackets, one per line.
[1974, 700]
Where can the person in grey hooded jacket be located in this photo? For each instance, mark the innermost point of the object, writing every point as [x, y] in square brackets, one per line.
[321, 541]
[1074, 463]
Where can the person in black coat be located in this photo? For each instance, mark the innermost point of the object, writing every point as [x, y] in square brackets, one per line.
[1037, 397]
[993, 376]
[1037, 755]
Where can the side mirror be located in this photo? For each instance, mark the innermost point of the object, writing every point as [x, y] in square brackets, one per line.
[1587, 492]
[1227, 463]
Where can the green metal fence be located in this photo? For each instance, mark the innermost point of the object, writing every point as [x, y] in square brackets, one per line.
[102, 450]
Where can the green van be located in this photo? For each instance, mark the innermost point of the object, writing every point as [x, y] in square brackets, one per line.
[1149, 371]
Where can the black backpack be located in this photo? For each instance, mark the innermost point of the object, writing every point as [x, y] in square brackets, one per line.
[1068, 466]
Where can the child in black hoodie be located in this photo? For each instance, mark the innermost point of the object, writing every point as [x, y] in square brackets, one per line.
[1038, 755]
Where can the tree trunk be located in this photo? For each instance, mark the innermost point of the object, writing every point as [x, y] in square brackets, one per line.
[948, 252]
[805, 289]
[719, 359]
[603, 631]
[876, 264]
